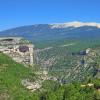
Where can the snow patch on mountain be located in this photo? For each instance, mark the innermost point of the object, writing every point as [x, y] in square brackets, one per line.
[75, 24]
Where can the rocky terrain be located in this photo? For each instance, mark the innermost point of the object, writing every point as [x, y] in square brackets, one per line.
[69, 66]
[18, 49]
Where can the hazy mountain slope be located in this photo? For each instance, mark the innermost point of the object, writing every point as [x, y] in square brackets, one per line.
[50, 32]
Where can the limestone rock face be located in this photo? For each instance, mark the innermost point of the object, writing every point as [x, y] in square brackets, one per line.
[17, 48]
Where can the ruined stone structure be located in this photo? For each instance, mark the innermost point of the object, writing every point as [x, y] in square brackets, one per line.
[20, 50]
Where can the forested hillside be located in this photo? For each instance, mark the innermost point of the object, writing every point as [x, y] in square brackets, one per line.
[67, 59]
[11, 88]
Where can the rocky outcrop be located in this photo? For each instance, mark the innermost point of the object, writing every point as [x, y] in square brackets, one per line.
[18, 49]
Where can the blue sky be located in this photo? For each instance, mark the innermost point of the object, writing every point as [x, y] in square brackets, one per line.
[15, 13]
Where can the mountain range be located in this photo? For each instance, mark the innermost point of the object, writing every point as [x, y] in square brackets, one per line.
[76, 30]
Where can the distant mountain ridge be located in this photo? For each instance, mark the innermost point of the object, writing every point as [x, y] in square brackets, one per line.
[78, 30]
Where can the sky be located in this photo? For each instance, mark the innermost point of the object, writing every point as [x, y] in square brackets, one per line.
[14, 13]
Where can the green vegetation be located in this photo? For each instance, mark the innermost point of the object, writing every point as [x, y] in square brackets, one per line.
[64, 65]
[11, 74]
[67, 87]
[24, 41]
[77, 44]
[72, 91]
